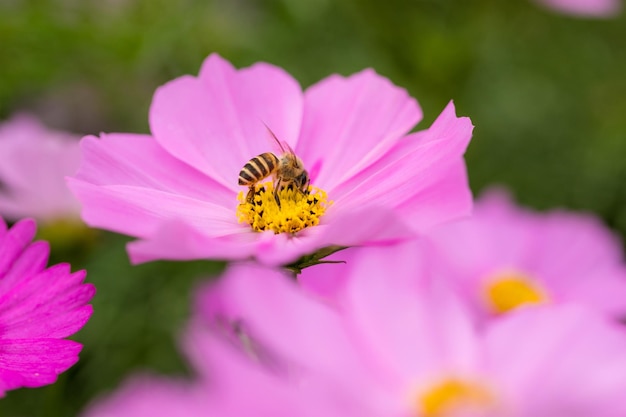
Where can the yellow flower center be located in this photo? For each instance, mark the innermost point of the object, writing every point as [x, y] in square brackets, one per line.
[453, 395]
[297, 209]
[65, 233]
[508, 290]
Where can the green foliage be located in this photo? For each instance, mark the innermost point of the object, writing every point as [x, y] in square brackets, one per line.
[546, 93]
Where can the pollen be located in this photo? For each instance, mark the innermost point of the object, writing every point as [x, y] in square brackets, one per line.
[509, 290]
[451, 396]
[297, 210]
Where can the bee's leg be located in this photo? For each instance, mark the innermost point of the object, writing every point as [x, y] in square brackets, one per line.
[277, 198]
[305, 188]
[251, 193]
[277, 187]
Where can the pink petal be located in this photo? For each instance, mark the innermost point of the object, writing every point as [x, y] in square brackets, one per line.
[349, 122]
[177, 240]
[561, 361]
[588, 8]
[40, 193]
[232, 374]
[603, 290]
[139, 161]
[422, 168]
[215, 122]
[327, 281]
[140, 211]
[150, 396]
[446, 198]
[411, 324]
[291, 323]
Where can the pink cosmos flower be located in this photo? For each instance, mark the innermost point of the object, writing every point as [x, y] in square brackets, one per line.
[586, 8]
[34, 161]
[177, 190]
[39, 307]
[395, 347]
[506, 256]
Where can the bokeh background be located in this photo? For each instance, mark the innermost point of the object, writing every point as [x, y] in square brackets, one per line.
[546, 92]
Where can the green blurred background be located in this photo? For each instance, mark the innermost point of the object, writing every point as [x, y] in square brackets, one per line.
[546, 92]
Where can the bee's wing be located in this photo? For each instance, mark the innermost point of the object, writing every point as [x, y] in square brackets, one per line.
[282, 145]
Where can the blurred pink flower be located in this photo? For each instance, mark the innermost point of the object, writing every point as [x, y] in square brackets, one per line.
[34, 161]
[151, 396]
[505, 256]
[586, 8]
[177, 189]
[39, 307]
[392, 348]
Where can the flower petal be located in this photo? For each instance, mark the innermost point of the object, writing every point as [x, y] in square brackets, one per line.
[424, 172]
[215, 122]
[50, 304]
[177, 240]
[412, 323]
[349, 122]
[150, 396]
[139, 161]
[32, 260]
[565, 357]
[34, 362]
[40, 193]
[588, 8]
[180, 240]
[292, 324]
[14, 242]
[140, 212]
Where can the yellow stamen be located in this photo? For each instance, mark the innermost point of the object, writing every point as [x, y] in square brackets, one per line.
[508, 290]
[452, 395]
[297, 210]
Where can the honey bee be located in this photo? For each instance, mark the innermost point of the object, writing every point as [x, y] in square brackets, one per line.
[287, 170]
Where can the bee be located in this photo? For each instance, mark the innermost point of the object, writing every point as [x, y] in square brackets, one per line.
[287, 170]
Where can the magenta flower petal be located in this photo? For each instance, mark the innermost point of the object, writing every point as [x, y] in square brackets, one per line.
[206, 128]
[34, 363]
[586, 8]
[39, 307]
[14, 241]
[40, 193]
[223, 111]
[349, 122]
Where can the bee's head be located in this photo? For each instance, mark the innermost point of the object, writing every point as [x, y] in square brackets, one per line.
[302, 180]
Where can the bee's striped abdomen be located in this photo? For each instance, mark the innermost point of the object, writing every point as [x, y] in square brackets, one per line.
[258, 168]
